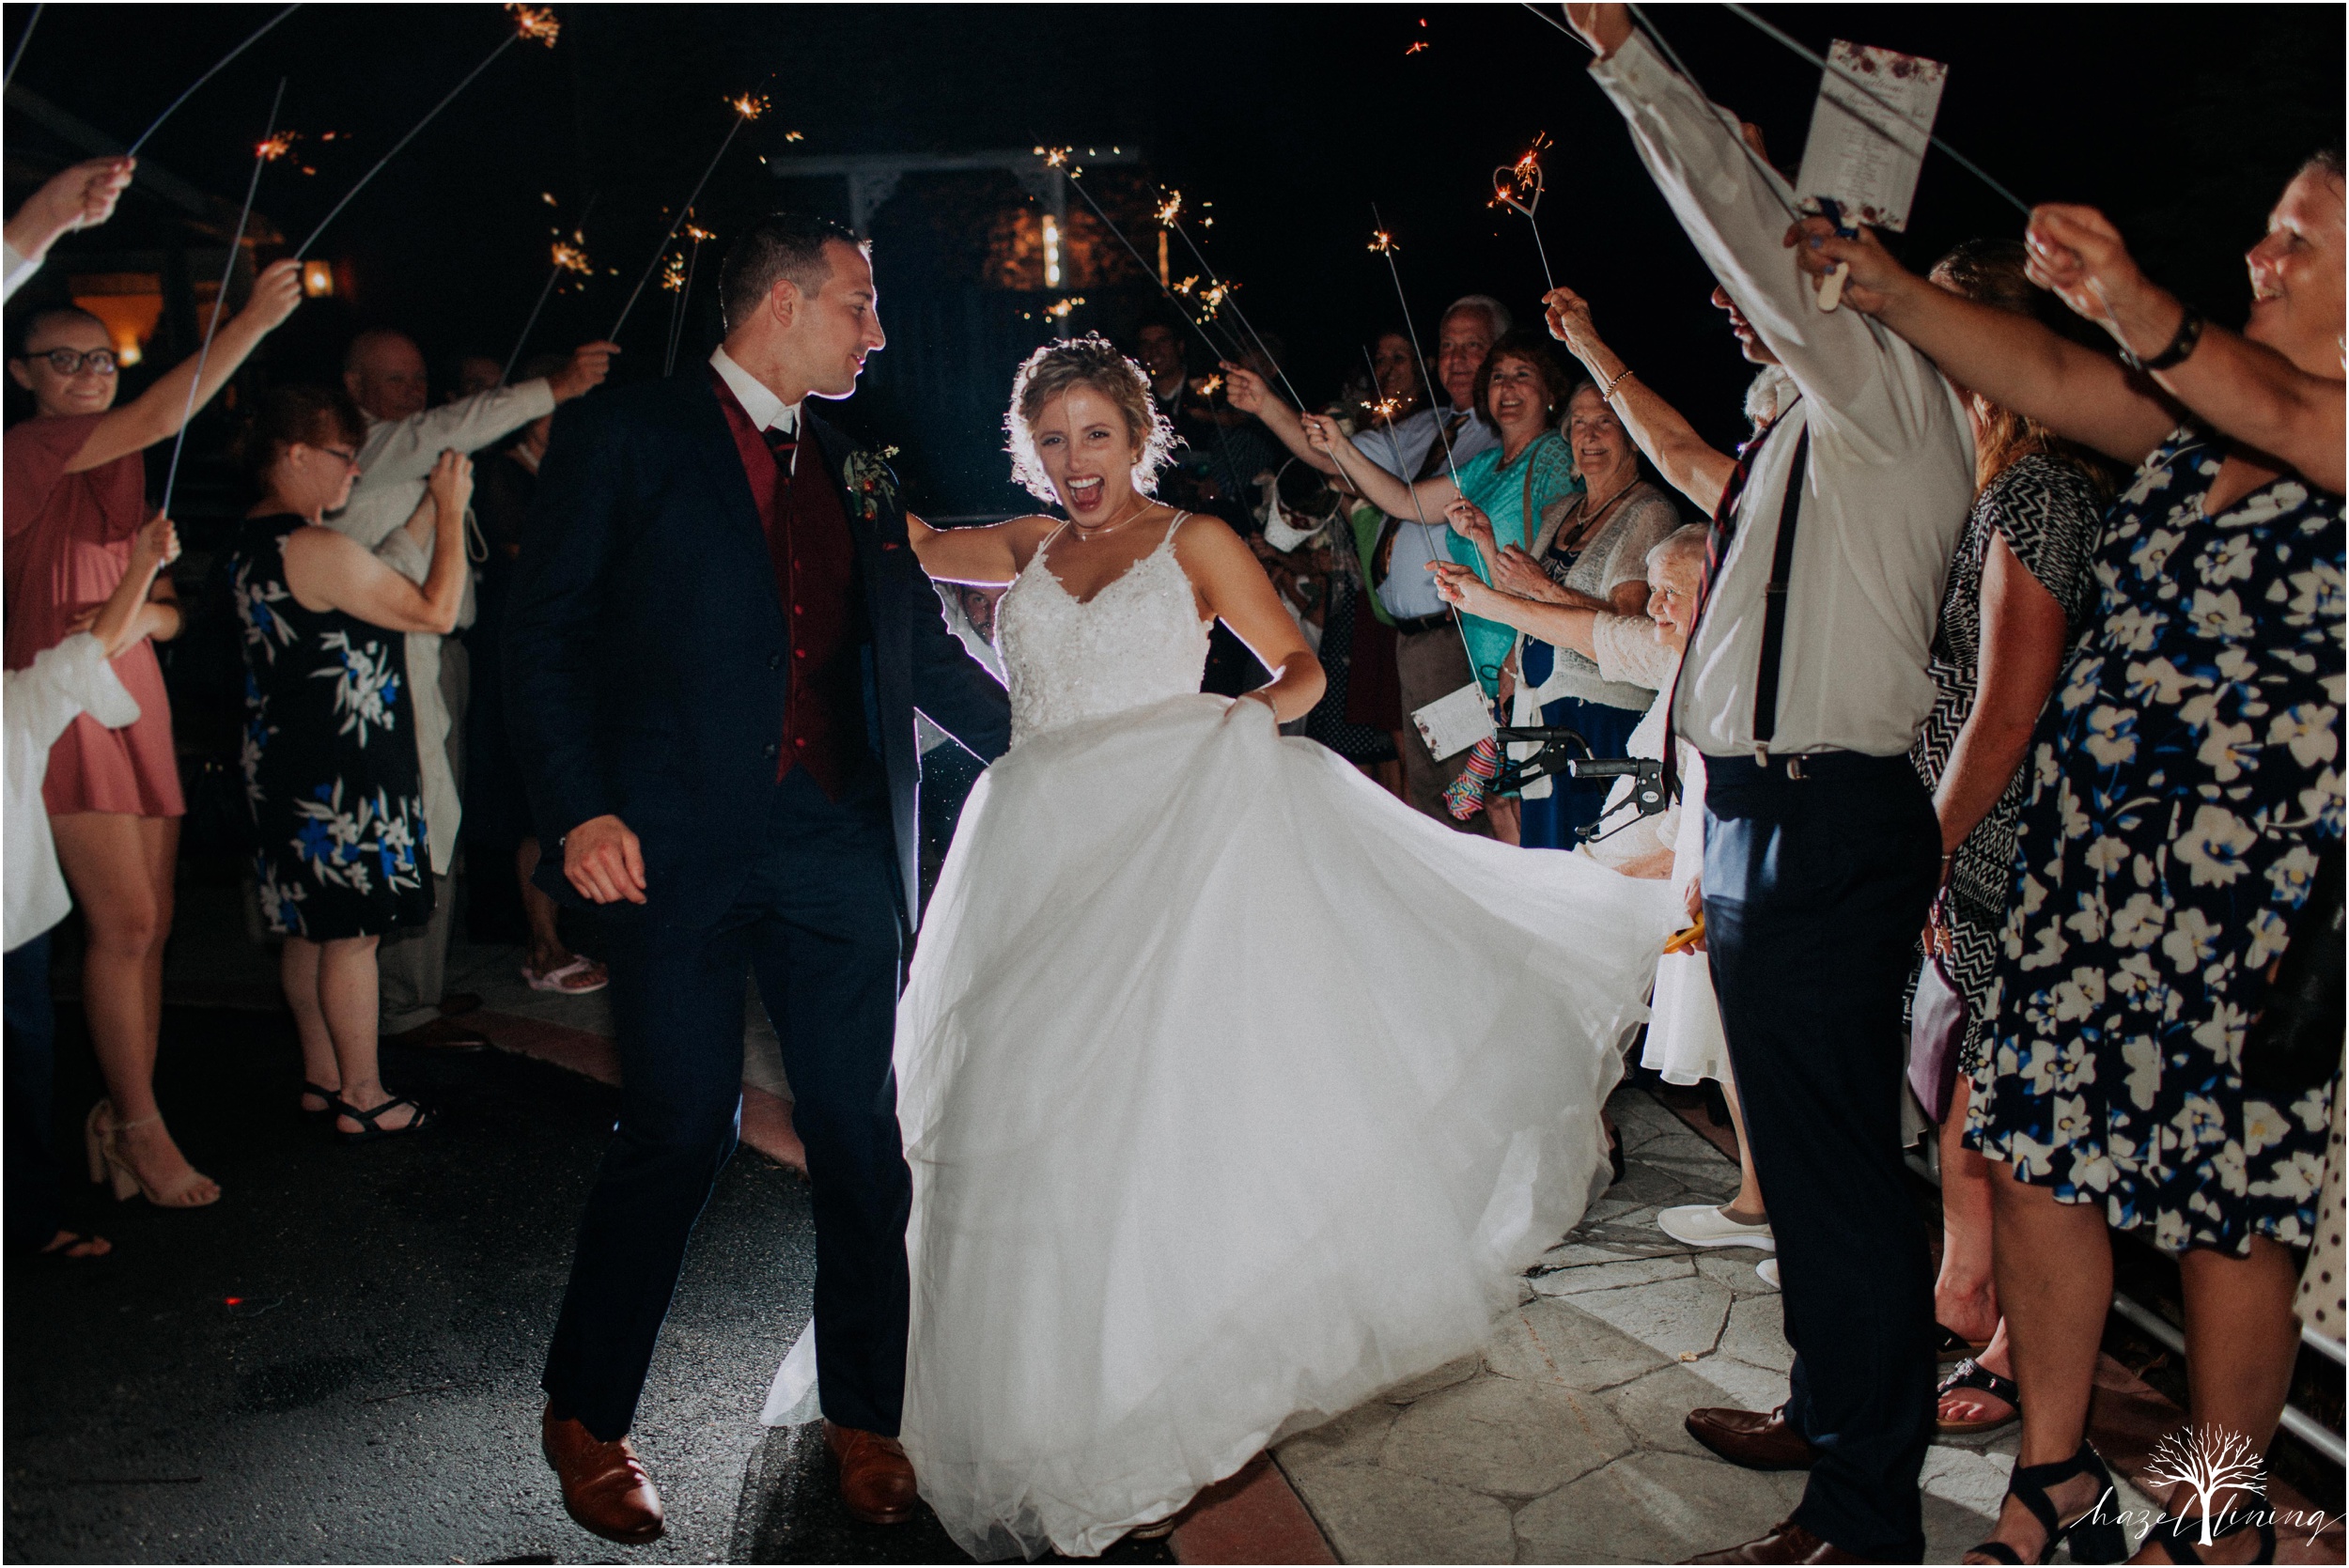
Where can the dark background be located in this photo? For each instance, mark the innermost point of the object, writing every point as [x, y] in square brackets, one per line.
[2180, 122]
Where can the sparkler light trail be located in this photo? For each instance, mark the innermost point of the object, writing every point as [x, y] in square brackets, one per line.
[747, 107]
[18, 53]
[1057, 158]
[253, 38]
[537, 24]
[1383, 243]
[268, 150]
[567, 257]
[684, 288]
[1518, 186]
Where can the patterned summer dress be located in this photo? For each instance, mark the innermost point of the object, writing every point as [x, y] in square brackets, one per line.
[2048, 513]
[2183, 782]
[330, 756]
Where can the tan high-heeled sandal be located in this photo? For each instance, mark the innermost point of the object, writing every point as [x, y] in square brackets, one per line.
[102, 1137]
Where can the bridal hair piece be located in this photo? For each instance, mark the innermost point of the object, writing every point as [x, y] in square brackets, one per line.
[1089, 361]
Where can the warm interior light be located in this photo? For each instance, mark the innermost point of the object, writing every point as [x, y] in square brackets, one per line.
[130, 304]
[1051, 252]
[317, 279]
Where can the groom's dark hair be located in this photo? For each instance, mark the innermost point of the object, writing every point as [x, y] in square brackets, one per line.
[780, 245]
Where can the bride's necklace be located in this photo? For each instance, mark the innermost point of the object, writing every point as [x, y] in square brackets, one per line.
[1088, 534]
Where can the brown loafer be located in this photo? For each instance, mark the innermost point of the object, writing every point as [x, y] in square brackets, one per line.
[876, 1477]
[1754, 1440]
[1787, 1543]
[606, 1489]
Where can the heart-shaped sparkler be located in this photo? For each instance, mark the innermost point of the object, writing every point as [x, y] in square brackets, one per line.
[1519, 185]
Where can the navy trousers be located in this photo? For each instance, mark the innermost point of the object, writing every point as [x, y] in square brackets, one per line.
[36, 1211]
[1815, 889]
[819, 923]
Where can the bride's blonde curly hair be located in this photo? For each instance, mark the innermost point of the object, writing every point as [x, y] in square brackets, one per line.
[1089, 361]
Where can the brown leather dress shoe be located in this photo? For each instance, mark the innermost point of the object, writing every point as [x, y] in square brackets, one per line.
[440, 1034]
[606, 1489]
[876, 1477]
[1787, 1543]
[1753, 1440]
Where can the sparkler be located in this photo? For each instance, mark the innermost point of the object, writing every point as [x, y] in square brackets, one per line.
[1220, 293]
[18, 53]
[1057, 158]
[267, 151]
[567, 256]
[1518, 186]
[535, 24]
[253, 38]
[684, 288]
[747, 107]
[1383, 243]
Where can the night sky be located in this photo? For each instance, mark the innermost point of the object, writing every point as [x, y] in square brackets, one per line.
[2180, 122]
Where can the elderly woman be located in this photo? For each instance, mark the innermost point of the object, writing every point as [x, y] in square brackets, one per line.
[2185, 789]
[1590, 555]
[1519, 391]
[76, 496]
[330, 769]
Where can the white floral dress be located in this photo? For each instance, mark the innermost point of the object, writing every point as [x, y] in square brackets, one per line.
[330, 757]
[2183, 781]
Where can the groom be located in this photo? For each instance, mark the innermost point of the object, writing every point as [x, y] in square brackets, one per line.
[718, 639]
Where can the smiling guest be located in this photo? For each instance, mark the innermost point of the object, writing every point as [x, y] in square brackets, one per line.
[330, 763]
[1499, 493]
[76, 496]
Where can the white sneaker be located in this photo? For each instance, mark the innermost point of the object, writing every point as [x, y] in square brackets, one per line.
[1709, 1225]
[1767, 1268]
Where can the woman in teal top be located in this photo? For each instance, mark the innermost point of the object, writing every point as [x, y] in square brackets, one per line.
[1519, 392]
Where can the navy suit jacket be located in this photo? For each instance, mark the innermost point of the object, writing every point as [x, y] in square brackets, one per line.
[647, 657]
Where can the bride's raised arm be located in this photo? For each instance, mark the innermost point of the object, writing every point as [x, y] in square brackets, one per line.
[988, 557]
[1231, 583]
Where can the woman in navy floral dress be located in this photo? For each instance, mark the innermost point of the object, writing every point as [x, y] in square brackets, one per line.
[330, 752]
[2186, 779]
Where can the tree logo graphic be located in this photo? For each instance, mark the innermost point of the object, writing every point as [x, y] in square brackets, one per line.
[2211, 1461]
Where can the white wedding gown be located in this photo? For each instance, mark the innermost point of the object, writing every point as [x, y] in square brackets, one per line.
[1235, 1090]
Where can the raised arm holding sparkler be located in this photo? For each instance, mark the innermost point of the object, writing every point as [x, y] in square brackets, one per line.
[1687, 461]
[157, 413]
[82, 196]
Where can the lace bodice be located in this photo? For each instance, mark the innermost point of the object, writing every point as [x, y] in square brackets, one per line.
[1136, 642]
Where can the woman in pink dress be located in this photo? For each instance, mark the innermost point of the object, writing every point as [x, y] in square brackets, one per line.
[76, 493]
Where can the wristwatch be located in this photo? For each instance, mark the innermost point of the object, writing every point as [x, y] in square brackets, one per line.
[2182, 343]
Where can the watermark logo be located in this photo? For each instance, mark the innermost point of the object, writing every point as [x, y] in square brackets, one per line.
[2215, 1465]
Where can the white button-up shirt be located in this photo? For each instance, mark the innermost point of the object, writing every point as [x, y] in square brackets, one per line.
[1410, 589]
[42, 700]
[1891, 469]
[767, 411]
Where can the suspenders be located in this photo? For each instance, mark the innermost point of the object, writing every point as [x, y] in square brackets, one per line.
[1774, 604]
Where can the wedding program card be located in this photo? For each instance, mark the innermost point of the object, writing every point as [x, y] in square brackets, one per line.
[1869, 132]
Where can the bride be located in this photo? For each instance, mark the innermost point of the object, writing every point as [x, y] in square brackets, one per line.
[1235, 1091]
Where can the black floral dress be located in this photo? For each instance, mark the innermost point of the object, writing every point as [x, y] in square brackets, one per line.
[2048, 513]
[330, 756]
[2183, 781]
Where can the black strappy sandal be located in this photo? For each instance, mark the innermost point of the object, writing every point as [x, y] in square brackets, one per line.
[2093, 1538]
[369, 1120]
[1970, 1374]
[333, 1098]
[2172, 1534]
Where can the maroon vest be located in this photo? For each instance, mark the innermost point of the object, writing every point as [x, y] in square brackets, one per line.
[814, 557]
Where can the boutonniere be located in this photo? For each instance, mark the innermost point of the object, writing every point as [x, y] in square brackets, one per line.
[870, 482]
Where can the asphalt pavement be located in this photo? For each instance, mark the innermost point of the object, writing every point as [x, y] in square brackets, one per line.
[339, 1361]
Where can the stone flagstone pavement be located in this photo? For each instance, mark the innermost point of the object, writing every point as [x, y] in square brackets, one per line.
[1562, 1442]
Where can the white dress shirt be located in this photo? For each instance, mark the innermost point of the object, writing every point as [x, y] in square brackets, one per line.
[61, 683]
[767, 411]
[1891, 470]
[1409, 590]
[16, 270]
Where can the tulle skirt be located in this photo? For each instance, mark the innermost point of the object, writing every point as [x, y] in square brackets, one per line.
[1235, 1091]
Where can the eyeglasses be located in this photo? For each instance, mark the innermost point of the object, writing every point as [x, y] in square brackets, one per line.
[350, 458]
[68, 362]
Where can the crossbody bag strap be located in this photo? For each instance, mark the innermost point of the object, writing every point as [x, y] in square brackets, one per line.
[1774, 605]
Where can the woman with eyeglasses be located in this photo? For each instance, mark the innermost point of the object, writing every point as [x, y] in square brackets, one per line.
[76, 495]
[331, 769]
